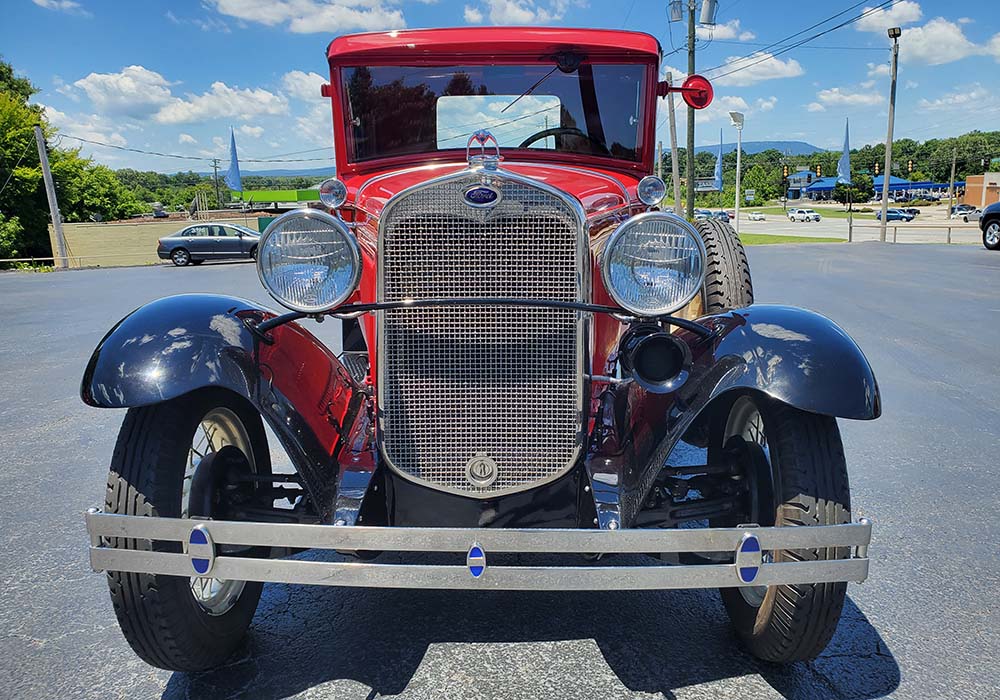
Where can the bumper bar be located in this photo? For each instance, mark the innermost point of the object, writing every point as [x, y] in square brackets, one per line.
[746, 544]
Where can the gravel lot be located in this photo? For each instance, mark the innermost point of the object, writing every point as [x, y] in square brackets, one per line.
[924, 626]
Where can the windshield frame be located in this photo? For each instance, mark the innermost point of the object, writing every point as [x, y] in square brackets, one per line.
[347, 165]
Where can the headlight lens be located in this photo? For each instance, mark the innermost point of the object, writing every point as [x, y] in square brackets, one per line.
[332, 192]
[308, 261]
[653, 264]
[651, 190]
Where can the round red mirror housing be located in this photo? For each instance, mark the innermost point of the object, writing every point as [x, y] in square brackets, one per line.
[697, 91]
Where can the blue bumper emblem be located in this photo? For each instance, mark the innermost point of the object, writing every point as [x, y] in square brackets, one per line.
[201, 550]
[476, 561]
[748, 558]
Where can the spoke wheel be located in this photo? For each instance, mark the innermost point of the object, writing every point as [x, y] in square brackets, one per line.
[991, 236]
[180, 257]
[218, 428]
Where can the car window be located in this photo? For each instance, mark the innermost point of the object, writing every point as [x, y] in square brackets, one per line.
[196, 231]
[226, 231]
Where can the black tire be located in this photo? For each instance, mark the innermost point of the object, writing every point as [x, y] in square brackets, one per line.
[991, 235]
[159, 616]
[809, 486]
[253, 253]
[180, 257]
[728, 284]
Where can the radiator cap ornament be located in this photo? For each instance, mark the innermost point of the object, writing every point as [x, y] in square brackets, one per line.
[481, 471]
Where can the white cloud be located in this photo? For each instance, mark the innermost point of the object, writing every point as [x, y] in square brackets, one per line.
[315, 127]
[965, 20]
[135, 91]
[815, 107]
[939, 41]
[473, 15]
[254, 132]
[67, 6]
[93, 127]
[755, 68]
[302, 85]
[911, 84]
[730, 30]
[187, 138]
[766, 104]
[969, 97]
[313, 16]
[993, 47]
[847, 97]
[868, 84]
[876, 70]
[519, 12]
[905, 12]
[222, 101]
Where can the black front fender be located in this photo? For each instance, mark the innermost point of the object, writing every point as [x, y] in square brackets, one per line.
[180, 344]
[796, 356]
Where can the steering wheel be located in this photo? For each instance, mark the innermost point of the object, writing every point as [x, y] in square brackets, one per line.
[559, 130]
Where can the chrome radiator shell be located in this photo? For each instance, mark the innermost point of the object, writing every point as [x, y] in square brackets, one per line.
[458, 382]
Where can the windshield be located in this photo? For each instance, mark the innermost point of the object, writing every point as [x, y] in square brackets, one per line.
[595, 109]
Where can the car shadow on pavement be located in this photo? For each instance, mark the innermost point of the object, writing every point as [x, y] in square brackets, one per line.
[373, 642]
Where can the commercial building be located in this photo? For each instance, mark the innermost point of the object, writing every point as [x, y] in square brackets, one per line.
[981, 190]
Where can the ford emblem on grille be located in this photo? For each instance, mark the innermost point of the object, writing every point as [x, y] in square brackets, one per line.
[482, 196]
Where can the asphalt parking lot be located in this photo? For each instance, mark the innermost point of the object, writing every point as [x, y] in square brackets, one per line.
[925, 625]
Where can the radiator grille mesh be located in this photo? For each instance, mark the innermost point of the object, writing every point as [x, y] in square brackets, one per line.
[462, 381]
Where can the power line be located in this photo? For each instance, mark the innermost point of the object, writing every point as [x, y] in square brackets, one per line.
[825, 48]
[798, 33]
[27, 145]
[198, 158]
[764, 56]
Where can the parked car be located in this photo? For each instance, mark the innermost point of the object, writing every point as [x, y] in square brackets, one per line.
[959, 209]
[756, 216]
[989, 222]
[974, 215]
[703, 215]
[492, 394]
[894, 215]
[731, 213]
[721, 216]
[912, 211]
[203, 241]
[803, 215]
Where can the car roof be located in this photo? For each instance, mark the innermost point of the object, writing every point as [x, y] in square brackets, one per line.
[463, 42]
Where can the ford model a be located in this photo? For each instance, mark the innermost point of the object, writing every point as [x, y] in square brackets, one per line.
[526, 339]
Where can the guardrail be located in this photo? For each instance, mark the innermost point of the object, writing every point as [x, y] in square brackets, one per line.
[970, 227]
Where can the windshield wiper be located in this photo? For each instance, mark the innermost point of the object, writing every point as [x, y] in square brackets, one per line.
[566, 61]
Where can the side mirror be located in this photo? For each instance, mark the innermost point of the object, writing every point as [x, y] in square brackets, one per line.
[697, 91]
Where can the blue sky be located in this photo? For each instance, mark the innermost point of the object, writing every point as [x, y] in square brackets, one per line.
[173, 76]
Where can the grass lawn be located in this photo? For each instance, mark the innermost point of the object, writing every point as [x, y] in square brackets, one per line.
[831, 213]
[767, 238]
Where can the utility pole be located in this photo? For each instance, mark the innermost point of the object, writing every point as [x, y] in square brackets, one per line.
[886, 173]
[690, 116]
[675, 166]
[951, 186]
[218, 194]
[50, 193]
[659, 159]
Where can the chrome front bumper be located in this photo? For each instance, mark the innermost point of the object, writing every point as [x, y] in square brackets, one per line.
[202, 537]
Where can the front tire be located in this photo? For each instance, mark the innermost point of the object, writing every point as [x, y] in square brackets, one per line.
[991, 236]
[728, 284]
[180, 257]
[179, 623]
[799, 478]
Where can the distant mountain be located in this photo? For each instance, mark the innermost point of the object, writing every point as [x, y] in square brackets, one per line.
[792, 148]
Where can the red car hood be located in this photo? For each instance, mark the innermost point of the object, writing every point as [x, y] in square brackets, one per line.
[598, 191]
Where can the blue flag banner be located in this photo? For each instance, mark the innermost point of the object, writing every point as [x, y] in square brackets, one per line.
[844, 164]
[233, 180]
[718, 165]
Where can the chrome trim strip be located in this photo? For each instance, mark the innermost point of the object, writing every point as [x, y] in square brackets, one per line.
[106, 558]
[584, 289]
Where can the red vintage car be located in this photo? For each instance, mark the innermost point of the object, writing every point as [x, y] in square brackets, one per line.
[527, 337]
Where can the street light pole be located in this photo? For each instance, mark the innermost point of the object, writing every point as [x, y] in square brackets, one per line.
[737, 118]
[886, 173]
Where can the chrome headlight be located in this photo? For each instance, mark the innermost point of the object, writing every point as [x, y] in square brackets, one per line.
[308, 261]
[653, 264]
[651, 190]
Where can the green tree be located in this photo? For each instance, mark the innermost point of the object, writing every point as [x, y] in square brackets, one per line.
[764, 188]
[14, 85]
[860, 190]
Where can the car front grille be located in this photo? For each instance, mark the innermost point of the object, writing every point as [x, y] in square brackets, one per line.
[457, 382]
